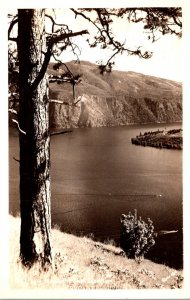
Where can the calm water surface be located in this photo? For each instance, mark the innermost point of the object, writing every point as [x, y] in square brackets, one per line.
[97, 174]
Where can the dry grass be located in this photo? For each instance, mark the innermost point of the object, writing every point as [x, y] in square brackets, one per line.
[80, 263]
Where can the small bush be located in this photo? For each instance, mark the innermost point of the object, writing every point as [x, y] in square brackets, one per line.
[137, 236]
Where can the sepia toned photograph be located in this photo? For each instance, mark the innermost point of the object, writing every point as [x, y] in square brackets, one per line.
[95, 151]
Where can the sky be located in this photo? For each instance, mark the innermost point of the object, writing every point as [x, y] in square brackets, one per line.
[166, 61]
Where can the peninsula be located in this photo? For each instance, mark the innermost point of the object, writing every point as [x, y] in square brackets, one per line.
[171, 139]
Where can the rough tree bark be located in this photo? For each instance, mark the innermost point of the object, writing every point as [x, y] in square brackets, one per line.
[33, 117]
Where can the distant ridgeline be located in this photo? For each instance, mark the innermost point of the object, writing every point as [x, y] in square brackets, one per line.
[171, 139]
[114, 99]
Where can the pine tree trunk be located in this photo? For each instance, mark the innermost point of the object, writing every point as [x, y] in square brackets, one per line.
[33, 117]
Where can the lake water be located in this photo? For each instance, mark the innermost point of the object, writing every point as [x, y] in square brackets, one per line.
[97, 174]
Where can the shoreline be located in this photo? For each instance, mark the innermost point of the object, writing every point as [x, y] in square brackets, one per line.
[171, 139]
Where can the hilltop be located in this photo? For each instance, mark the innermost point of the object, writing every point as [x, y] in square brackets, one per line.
[111, 99]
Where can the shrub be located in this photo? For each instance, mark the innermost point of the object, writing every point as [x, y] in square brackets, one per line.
[137, 236]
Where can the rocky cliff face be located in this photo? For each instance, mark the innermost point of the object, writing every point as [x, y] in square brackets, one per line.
[119, 98]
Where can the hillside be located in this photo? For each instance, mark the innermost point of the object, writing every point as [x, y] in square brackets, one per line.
[81, 263]
[117, 98]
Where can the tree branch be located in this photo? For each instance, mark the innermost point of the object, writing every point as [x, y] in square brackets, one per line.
[60, 132]
[12, 39]
[18, 126]
[12, 94]
[54, 23]
[176, 21]
[79, 99]
[65, 103]
[48, 54]
[12, 24]
[60, 80]
[63, 36]
[84, 16]
[105, 36]
[58, 101]
[61, 63]
[17, 160]
[13, 111]
[43, 69]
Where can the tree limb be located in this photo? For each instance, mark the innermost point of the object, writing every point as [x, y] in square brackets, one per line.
[63, 36]
[58, 101]
[18, 126]
[54, 23]
[12, 39]
[64, 103]
[176, 21]
[12, 94]
[75, 103]
[60, 132]
[105, 36]
[48, 54]
[17, 160]
[12, 24]
[61, 63]
[13, 111]
[43, 69]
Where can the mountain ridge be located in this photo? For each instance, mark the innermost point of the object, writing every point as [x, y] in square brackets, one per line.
[113, 99]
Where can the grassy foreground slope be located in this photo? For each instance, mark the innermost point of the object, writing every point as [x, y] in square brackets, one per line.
[80, 263]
